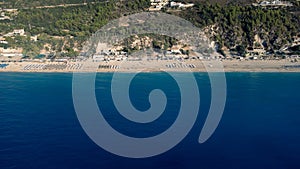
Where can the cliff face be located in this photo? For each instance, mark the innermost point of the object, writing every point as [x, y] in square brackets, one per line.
[262, 40]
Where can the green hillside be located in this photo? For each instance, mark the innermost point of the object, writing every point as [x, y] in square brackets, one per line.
[236, 26]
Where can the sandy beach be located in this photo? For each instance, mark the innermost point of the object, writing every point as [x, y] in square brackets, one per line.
[156, 65]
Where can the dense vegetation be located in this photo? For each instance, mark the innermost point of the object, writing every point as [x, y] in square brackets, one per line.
[237, 25]
[75, 21]
[76, 24]
[234, 25]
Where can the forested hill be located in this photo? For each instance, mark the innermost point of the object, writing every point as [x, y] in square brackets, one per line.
[64, 28]
[34, 3]
[237, 26]
[230, 25]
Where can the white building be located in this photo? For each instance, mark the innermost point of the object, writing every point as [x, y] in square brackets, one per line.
[97, 58]
[180, 5]
[274, 3]
[157, 5]
[3, 42]
[265, 3]
[20, 32]
[175, 49]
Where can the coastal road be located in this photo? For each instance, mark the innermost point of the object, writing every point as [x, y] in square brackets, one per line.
[56, 6]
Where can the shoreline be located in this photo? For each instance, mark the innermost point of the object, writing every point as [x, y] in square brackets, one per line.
[154, 66]
[102, 72]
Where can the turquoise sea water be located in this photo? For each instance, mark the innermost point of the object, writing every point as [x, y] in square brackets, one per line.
[260, 127]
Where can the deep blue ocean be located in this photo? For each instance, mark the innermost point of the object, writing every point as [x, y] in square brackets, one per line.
[260, 127]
